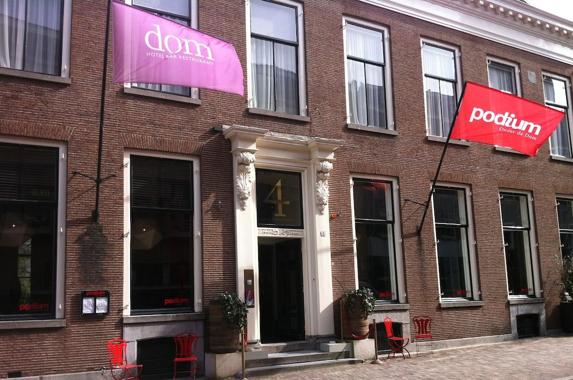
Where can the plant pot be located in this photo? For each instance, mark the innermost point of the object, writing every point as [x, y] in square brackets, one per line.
[566, 311]
[355, 326]
[222, 338]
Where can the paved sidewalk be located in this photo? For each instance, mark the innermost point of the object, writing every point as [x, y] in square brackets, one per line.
[536, 358]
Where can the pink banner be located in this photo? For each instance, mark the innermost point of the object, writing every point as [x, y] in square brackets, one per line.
[151, 49]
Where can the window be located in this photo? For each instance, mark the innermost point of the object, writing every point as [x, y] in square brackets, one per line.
[279, 199]
[517, 237]
[556, 90]
[35, 36]
[276, 82]
[183, 12]
[29, 242]
[503, 76]
[453, 235]
[161, 239]
[368, 76]
[565, 215]
[376, 235]
[441, 86]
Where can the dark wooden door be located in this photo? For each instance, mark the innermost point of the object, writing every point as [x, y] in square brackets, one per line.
[281, 290]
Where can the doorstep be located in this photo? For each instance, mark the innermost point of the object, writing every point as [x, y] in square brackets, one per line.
[280, 357]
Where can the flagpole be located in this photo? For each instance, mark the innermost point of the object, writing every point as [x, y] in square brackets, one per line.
[98, 179]
[427, 204]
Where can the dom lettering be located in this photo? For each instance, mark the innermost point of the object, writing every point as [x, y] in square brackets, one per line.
[175, 45]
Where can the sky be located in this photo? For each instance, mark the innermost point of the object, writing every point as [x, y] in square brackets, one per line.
[562, 8]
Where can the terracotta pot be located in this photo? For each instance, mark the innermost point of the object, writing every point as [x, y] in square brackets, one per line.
[221, 338]
[355, 326]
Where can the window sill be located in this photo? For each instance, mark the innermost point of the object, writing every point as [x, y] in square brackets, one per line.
[161, 95]
[383, 131]
[562, 159]
[525, 301]
[35, 76]
[137, 319]
[508, 150]
[460, 304]
[391, 306]
[443, 140]
[282, 115]
[33, 324]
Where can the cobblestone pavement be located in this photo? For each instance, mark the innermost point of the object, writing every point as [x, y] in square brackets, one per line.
[536, 358]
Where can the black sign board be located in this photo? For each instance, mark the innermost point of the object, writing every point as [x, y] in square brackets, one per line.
[279, 199]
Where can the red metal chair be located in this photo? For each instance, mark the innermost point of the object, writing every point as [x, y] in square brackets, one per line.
[397, 344]
[422, 324]
[119, 368]
[184, 353]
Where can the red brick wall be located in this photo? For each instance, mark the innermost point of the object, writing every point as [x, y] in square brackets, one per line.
[69, 113]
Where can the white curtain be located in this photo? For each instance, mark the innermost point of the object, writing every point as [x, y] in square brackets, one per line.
[376, 102]
[433, 107]
[440, 106]
[502, 79]
[262, 74]
[12, 27]
[448, 103]
[357, 93]
[364, 43]
[43, 36]
[286, 79]
[439, 62]
[560, 141]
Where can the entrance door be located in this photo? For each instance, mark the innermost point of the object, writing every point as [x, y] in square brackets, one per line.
[281, 290]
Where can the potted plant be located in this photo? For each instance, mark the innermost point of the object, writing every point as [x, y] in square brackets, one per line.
[358, 304]
[566, 307]
[227, 317]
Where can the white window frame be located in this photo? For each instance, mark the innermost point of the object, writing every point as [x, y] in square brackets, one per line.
[60, 264]
[390, 124]
[197, 253]
[64, 76]
[398, 248]
[532, 242]
[569, 107]
[194, 98]
[303, 107]
[472, 252]
[516, 72]
[459, 86]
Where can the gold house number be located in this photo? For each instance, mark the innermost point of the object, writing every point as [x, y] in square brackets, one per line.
[275, 197]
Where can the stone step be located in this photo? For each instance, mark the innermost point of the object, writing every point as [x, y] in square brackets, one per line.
[289, 346]
[272, 370]
[291, 357]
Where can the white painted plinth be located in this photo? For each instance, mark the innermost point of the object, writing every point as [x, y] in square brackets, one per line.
[220, 366]
[363, 349]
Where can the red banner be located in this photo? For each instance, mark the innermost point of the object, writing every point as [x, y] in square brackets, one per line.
[493, 117]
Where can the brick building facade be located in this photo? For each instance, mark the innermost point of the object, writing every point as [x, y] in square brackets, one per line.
[317, 137]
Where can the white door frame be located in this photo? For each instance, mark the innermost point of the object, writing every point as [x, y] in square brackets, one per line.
[312, 157]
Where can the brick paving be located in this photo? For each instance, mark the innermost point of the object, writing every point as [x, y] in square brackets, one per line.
[536, 358]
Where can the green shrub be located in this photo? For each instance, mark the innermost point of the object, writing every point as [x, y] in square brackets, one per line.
[234, 310]
[360, 301]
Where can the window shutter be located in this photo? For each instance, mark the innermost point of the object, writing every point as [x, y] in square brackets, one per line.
[28, 173]
[161, 183]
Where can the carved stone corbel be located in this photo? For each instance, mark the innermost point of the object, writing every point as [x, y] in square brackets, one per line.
[244, 178]
[322, 191]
